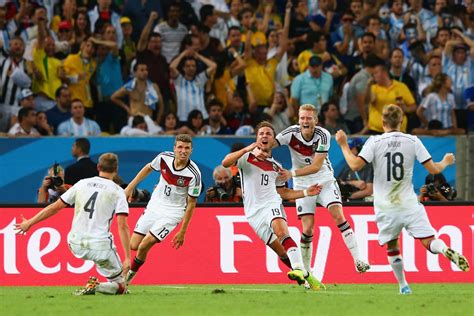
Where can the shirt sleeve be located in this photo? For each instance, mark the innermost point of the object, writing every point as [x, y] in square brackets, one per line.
[241, 161]
[195, 186]
[156, 163]
[407, 96]
[367, 151]
[324, 140]
[422, 154]
[122, 206]
[283, 138]
[426, 102]
[69, 197]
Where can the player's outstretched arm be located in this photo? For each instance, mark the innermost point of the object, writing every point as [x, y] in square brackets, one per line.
[124, 233]
[146, 170]
[178, 239]
[45, 213]
[438, 167]
[232, 158]
[314, 167]
[354, 162]
[289, 194]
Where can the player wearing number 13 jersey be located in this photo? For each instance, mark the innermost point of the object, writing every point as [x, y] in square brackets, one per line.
[173, 200]
[393, 155]
[95, 201]
[263, 194]
[309, 146]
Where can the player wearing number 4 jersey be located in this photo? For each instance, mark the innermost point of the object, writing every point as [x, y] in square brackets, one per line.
[172, 201]
[309, 147]
[263, 207]
[393, 155]
[95, 201]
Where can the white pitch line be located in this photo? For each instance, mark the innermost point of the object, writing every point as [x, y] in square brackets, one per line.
[252, 290]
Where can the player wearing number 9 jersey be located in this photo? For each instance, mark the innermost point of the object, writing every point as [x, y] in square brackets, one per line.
[95, 201]
[262, 195]
[393, 155]
[173, 200]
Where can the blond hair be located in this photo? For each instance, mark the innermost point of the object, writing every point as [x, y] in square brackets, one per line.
[185, 138]
[264, 124]
[392, 115]
[309, 107]
[108, 162]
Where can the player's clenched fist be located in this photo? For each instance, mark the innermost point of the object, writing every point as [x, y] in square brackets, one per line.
[315, 189]
[341, 137]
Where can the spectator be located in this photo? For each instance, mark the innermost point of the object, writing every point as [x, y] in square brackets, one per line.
[210, 47]
[189, 84]
[139, 13]
[314, 86]
[279, 112]
[48, 71]
[84, 167]
[237, 114]
[52, 186]
[436, 188]
[172, 32]
[282, 79]
[169, 125]
[299, 27]
[439, 41]
[217, 26]
[381, 43]
[26, 124]
[65, 41]
[432, 69]
[326, 18]
[356, 116]
[195, 122]
[356, 185]
[386, 91]
[344, 39]
[103, 14]
[62, 110]
[67, 13]
[128, 52]
[11, 66]
[226, 187]
[141, 126]
[82, 30]
[149, 52]
[397, 71]
[331, 118]
[108, 79]
[79, 70]
[439, 106]
[27, 100]
[215, 124]
[144, 96]
[78, 125]
[42, 124]
[365, 47]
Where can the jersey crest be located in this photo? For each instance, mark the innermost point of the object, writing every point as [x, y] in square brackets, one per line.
[171, 178]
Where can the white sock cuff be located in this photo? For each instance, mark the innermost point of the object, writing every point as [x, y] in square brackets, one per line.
[437, 246]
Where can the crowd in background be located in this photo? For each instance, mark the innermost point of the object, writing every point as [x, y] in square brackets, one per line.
[207, 67]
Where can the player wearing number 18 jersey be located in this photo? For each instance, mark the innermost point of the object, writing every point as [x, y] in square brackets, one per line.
[393, 155]
[309, 147]
[263, 194]
[95, 201]
[172, 201]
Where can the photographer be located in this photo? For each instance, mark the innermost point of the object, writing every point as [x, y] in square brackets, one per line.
[356, 185]
[226, 187]
[138, 195]
[53, 185]
[436, 188]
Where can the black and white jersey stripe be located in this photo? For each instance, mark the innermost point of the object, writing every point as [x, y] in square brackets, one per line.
[9, 90]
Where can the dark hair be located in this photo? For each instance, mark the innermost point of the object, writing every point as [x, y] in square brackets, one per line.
[314, 37]
[87, 29]
[368, 34]
[234, 28]
[24, 112]
[325, 108]
[138, 63]
[202, 28]
[58, 90]
[242, 12]
[154, 34]
[193, 114]
[138, 119]
[163, 120]
[214, 102]
[206, 11]
[397, 49]
[83, 144]
[264, 124]
[187, 41]
[77, 100]
[373, 60]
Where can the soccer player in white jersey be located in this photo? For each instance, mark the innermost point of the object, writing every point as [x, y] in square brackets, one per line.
[309, 147]
[95, 201]
[263, 206]
[172, 201]
[396, 205]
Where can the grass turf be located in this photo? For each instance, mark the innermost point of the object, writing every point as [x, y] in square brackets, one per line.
[341, 299]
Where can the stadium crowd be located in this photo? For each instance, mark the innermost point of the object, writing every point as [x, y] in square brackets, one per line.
[207, 67]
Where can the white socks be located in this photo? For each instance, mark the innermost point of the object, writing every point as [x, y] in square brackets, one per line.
[396, 261]
[437, 246]
[306, 245]
[349, 238]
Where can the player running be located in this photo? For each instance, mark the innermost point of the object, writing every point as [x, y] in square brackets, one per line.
[172, 201]
[263, 193]
[309, 147]
[396, 205]
[95, 201]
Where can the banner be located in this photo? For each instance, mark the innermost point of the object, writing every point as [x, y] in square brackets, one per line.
[221, 248]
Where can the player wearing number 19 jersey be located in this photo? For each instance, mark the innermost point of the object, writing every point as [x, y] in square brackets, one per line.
[172, 201]
[393, 155]
[263, 194]
[309, 147]
[95, 201]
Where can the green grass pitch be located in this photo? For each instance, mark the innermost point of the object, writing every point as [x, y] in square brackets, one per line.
[341, 299]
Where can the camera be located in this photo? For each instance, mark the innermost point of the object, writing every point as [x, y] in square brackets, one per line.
[141, 195]
[56, 180]
[431, 188]
[346, 190]
[221, 193]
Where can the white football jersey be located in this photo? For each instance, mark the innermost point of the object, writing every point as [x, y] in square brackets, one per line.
[302, 152]
[259, 182]
[393, 156]
[175, 185]
[95, 201]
